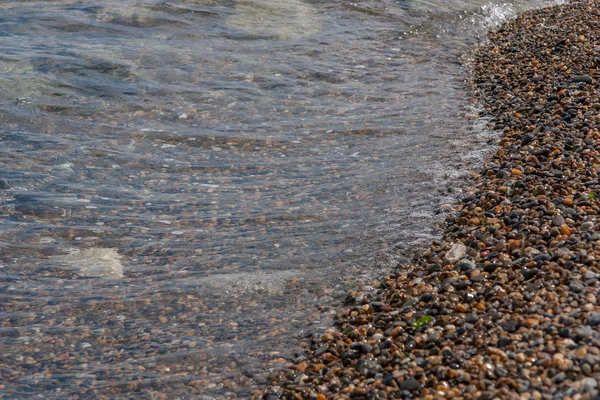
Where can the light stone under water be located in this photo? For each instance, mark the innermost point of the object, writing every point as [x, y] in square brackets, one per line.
[286, 20]
[94, 263]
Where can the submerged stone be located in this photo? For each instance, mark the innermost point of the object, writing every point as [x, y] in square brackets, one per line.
[94, 263]
[284, 19]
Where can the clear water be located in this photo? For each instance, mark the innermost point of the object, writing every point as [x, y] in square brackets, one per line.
[189, 187]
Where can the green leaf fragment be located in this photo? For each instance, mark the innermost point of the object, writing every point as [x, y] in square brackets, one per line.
[592, 196]
[422, 321]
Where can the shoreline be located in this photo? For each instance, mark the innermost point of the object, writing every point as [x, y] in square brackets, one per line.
[505, 305]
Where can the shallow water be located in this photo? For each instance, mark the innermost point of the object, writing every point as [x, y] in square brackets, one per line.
[189, 187]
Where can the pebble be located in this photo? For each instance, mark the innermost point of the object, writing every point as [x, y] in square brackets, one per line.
[465, 265]
[510, 326]
[456, 252]
[558, 220]
[322, 349]
[593, 318]
[582, 78]
[434, 337]
[590, 386]
[587, 226]
[410, 384]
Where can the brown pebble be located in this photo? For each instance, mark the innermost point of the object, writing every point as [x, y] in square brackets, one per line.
[581, 352]
[564, 229]
[461, 308]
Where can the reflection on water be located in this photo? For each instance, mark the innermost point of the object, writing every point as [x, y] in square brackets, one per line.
[189, 186]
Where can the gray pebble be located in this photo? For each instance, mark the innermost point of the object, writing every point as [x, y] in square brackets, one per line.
[590, 275]
[434, 337]
[590, 386]
[510, 326]
[410, 384]
[560, 377]
[593, 318]
[472, 318]
[465, 265]
[321, 350]
[558, 220]
[582, 78]
[503, 174]
[585, 332]
[587, 226]
[300, 379]
[576, 286]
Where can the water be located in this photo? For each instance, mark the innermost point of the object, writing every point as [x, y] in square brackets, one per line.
[189, 187]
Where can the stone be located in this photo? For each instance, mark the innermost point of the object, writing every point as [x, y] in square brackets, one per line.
[587, 226]
[322, 349]
[503, 174]
[559, 378]
[472, 318]
[410, 384]
[510, 326]
[93, 262]
[582, 78]
[456, 252]
[558, 220]
[284, 20]
[593, 318]
[590, 386]
[434, 337]
[465, 265]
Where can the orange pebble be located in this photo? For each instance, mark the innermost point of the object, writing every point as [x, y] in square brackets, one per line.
[321, 396]
[461, 308]
[516, 172]
[564, 229]
[301, 367]
[568, 201]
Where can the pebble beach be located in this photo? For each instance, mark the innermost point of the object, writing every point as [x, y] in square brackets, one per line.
[505, 304]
